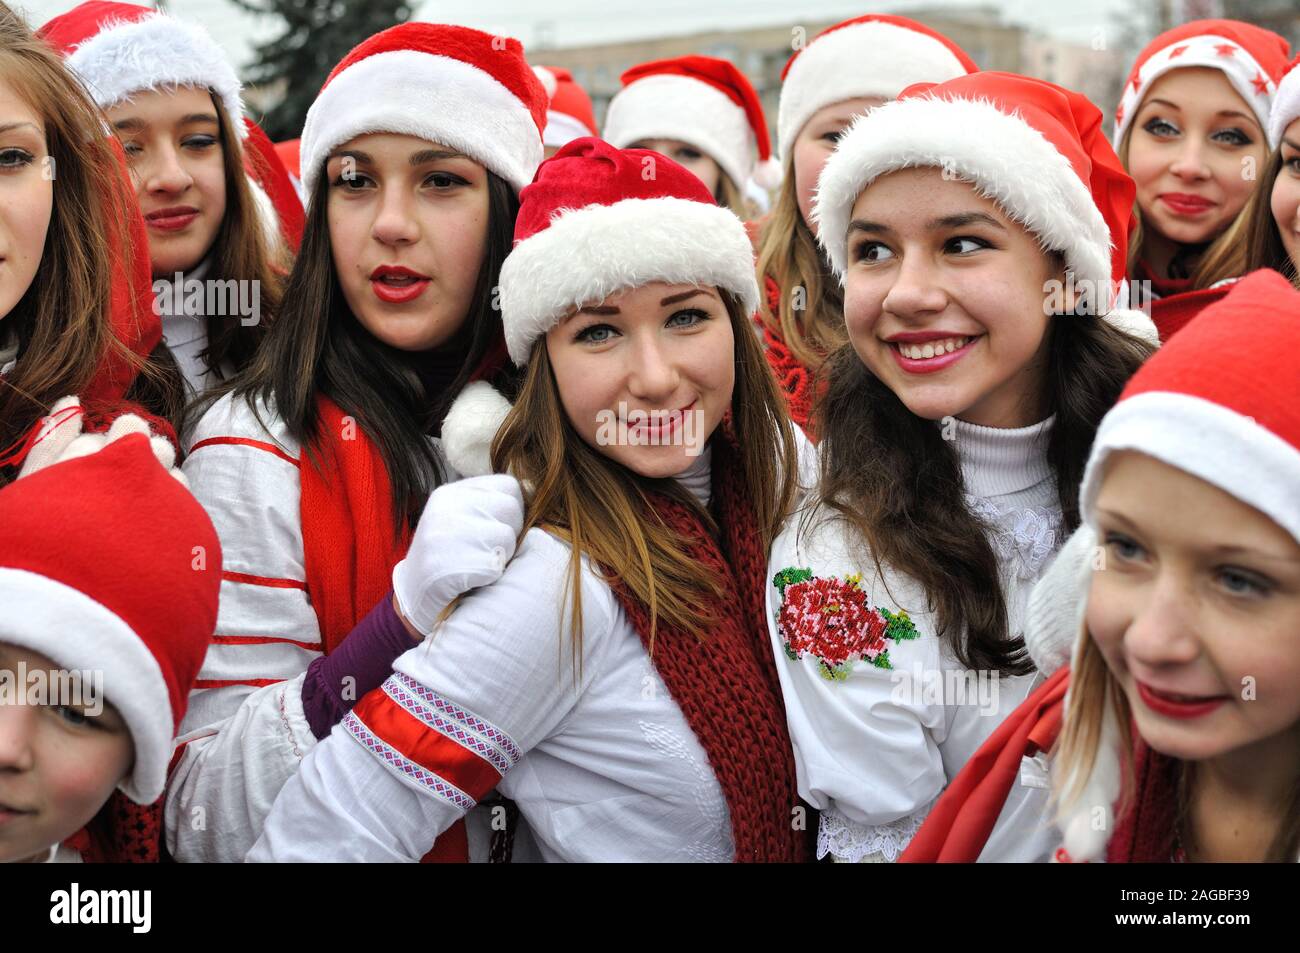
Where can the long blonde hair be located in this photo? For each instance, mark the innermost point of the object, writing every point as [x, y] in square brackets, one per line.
[810, 315]
[601, 509]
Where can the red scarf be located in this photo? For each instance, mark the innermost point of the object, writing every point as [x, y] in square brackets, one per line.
[1145, 835]
[350, 545]
[794, 379]
[1177, 304]
[727, 685]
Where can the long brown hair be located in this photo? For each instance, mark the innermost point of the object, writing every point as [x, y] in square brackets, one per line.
[62, 323]
[1260, 244]
[894, 478]
[316, 346]
[1093, 690]
[601, 508]
[1222, 257]
[241, 251]
[810, 315]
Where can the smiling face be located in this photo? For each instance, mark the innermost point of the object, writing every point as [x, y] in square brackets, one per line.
[172, 140]
[693, 160]
[661, 360]
[26, 196]
[58, 763]
[408, 222]
[1284, 202]
[815, 143]
[944, 300]
[1187, 154]
[1197, 613]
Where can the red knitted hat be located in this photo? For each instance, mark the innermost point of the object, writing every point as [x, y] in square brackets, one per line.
[459, 87]
[1034, 148]
[1220, 405]
[599, 220]
[569, 115]
[873, 55]
[1252, 58]
[701, 100]
[108, 564]
[120, 48]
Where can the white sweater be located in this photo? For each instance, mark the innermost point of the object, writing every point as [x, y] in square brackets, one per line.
[878, 735]
[602, 765]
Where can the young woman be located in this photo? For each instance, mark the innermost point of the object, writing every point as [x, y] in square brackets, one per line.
[104, 666]
[75, 302]
[172, 97]
[1191, 129]
[703, 114]
[977, 226]
[615, 681]
[842, 73]
[1191, 628]
[316, 463]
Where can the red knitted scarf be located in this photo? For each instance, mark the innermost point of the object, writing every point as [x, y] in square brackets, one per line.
[727, 685]
[793, 377]
[1145, 834]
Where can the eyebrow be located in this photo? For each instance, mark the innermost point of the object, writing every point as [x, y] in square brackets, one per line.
[1288, 142]
[434, 155]
[605, 309]
[9, 126]
[1222, 112]
[957, 220]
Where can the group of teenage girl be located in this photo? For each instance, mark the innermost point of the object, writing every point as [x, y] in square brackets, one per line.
[949, 512]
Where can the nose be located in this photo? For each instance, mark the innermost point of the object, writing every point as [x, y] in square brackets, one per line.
[916, 290]
[1163, 633]
[394, 224]
[166, 173]
[653, 376]
[17, 728]
[1189, 165]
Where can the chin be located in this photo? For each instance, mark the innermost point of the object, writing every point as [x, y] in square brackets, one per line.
[656, 463]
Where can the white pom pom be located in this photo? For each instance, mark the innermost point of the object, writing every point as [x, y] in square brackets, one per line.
[470, 426]
[768, 174]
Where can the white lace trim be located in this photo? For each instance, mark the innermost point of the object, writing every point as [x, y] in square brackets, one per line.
[1023, 538]
[853, 843]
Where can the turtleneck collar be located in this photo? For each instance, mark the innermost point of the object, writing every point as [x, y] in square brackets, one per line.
[165, 285]
[698, 477]
[996, 461]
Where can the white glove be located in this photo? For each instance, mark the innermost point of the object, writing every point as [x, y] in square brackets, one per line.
[466, 536]
[1054, 617]
[61, 438]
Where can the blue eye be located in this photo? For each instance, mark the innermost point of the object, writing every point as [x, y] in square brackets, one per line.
[694, 316]
[595, 334]
[1232, 137]
[73, 716]
[199, 143]
[1242, 583]
[1162, 128]
[1124, 548]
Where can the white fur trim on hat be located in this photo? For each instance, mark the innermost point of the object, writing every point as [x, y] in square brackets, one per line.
[1241, 70]
[157, 52]
[470, 427]
[1286, 106]
[1008, 161]
[438, 98]
[678, 107]
[585, 255]
[866, 59]
[79, 634]
[561, 129]
[1207, 440]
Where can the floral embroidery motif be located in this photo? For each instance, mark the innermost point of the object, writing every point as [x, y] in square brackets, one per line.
[830, 619]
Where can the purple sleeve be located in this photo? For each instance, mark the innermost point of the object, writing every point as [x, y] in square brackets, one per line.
[365, 658]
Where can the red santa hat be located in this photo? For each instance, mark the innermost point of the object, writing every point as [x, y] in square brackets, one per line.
[108, 564]
[1252, 58]
[701, 100]
[1219, 405]
[614, 219]
[569, 115]
[463, 88]
[275, 192]
[120, 48]
[873, 55]
[1286, 104]
[1035, 149]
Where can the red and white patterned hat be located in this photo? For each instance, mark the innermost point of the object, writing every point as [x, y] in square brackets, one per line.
[463, 88]
[1252, 58]
[1286, 104]
[873, 55]
[701, 100]
[121, 48]
[108, 564]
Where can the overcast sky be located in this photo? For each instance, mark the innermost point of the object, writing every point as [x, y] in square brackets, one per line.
[583, 22]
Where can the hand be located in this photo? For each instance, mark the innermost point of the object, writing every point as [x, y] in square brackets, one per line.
[466, 536]
[61, 438]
